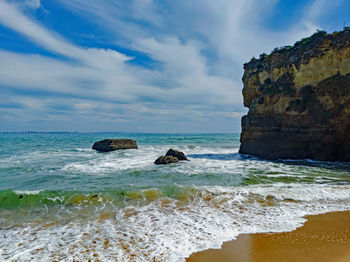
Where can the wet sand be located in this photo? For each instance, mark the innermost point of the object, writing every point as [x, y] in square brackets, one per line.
[323, 237]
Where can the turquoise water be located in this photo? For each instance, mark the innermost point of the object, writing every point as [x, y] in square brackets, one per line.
[59, 198]
[66, 161]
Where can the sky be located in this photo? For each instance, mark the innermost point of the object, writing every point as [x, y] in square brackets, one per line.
[141, 65]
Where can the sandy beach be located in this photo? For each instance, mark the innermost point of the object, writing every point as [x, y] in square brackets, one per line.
[323, 237]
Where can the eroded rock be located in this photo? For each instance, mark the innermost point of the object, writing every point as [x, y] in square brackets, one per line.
[299, 100]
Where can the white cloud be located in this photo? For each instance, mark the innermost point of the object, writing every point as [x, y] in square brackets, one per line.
[200, 46]
[13, 18]
[106, 69]
[232, 29]
[320, 7]
[34, 4]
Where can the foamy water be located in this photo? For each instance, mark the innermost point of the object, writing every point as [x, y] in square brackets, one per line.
[70, 202]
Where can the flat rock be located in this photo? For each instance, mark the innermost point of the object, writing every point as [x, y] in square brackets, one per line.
[164, 160]
[178, 154]
[107, 145]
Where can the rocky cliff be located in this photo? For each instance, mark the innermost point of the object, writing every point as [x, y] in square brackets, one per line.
[299, 100]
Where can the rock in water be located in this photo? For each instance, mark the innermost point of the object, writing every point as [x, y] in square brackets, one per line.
[299, 100]
[107, 145]
[164, 160]
[178, 154]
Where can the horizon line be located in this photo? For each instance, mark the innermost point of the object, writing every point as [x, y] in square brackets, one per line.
[106, 132]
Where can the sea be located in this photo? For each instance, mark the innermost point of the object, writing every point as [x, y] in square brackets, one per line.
[62, 201]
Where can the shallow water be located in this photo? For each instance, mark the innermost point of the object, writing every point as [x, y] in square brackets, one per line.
[61, 200]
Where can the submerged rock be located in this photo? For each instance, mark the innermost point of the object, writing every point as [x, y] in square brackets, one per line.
[178, 154]
[299, 100]
[164, 160]
[107, 145]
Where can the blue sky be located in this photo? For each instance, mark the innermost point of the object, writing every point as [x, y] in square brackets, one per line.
[141, 65]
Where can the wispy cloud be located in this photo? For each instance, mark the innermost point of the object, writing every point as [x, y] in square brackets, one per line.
[199, 47]
[34, 4]
[320, 7]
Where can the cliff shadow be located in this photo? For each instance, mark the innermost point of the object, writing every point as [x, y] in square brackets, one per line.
[224, 157]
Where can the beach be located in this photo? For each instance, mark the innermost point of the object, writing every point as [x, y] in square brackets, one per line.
[323, 237]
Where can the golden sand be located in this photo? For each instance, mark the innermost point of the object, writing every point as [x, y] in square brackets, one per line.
[323, 237]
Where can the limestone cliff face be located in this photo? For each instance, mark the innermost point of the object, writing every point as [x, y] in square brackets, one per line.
[299, 100]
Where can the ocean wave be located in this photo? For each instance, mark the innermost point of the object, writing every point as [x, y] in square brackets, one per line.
[163, 224]
[211, 165]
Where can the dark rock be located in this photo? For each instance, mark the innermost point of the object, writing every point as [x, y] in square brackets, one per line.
[178, 154]
[107, 145]
[299, 101]
[164, 160]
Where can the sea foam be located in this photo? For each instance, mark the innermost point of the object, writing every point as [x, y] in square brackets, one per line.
[170, 229]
